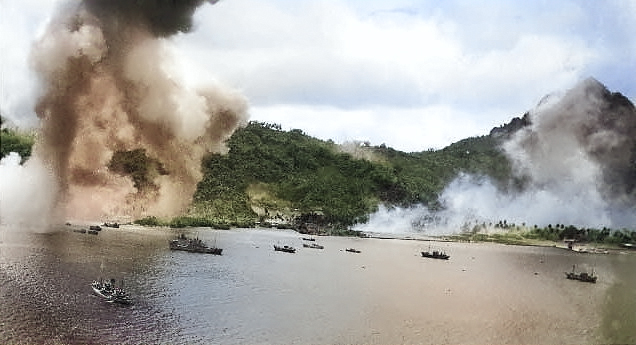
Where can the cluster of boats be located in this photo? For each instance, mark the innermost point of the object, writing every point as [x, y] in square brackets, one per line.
[113, 294]
[110, 292]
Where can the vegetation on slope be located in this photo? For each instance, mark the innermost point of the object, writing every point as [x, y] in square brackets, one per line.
[288, 177]
[14, 141]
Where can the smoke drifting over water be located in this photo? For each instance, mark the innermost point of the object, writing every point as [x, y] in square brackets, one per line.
[577, 158]
[109, 85]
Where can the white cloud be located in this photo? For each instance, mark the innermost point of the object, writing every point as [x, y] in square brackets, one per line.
[412, 129]
[20, 23]
[341, 62]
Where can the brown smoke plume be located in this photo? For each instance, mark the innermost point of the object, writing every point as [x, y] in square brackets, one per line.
[108, 87]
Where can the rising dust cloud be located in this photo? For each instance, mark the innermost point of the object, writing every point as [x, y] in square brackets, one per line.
[109, 83]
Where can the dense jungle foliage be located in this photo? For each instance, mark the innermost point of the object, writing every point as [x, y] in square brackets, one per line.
[285, 178]
[275, 175]
[14, 141]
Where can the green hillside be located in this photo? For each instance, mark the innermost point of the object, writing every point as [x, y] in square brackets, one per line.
[288, 178]
[14, 141]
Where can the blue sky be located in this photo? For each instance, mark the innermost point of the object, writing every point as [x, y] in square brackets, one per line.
[411, 74]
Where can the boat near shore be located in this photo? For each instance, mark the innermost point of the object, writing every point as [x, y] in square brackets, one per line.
[352, 250]
[193, 245]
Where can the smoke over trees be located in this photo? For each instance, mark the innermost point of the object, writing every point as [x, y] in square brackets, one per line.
[108, 86]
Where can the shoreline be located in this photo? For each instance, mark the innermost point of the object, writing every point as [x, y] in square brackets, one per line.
[504, 238]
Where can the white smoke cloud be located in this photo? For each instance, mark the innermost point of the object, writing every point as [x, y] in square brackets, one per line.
[26, 197]
[576, 157]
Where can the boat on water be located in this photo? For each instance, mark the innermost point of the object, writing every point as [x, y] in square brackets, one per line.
[308, 238]
[286, 249]
[436, 254]
[313, 245]
[193, 245]
[110, 292]
[352, 250]
[582, 276]
[92, 232]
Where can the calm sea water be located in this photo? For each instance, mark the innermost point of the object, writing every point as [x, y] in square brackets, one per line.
[252, 294]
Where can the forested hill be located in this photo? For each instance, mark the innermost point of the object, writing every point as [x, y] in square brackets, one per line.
[287, 178]
[275, 176]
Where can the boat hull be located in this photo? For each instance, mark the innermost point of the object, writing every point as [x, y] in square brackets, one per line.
[286, 249]
[435, 255]
[192, 246]
[583, 277]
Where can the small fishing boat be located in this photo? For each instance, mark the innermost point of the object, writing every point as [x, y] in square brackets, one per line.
[313, 245]
[583, 276]
[193, 245]
[436, 254]
[111, 293]
[286, 249]
[308, 239]
[352, 250]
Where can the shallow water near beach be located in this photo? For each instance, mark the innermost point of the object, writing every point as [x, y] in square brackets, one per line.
[388, 293]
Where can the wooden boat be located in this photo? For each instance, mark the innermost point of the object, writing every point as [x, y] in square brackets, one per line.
[286, 249]
[193, 245]
[583, 276]
[313, 245]
[352, 250]
[110, 292]
[436, 254]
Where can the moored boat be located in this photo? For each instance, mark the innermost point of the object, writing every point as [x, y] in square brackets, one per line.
[583, 276]
[193, 245]
[436, 254]
[352, 250]
[286, 249]
[313, 245]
